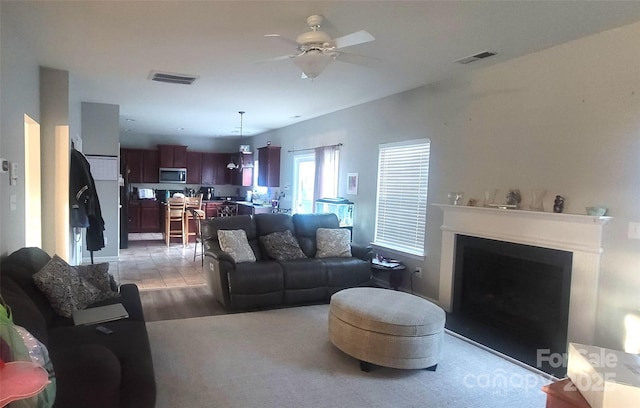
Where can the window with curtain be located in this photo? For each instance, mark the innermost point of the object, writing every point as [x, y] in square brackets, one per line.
[401, 208]
[326, 174]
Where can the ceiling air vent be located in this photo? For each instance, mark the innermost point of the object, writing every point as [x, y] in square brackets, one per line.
[172, 78]
[476, 57]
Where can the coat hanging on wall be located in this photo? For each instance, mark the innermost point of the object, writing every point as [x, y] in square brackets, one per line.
[84, 197]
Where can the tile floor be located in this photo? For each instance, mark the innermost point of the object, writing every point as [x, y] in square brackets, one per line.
[150, 264]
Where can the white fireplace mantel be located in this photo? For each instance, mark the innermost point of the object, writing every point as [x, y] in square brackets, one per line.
[579, 234]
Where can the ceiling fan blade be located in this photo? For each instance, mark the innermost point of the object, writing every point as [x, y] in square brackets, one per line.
[278, 37]
[359, 37]
[280, 58]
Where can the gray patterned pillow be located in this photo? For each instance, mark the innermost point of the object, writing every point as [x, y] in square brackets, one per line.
[98, 276]
[64, 287]
[235, 243]
[282, 246]
[333, 242]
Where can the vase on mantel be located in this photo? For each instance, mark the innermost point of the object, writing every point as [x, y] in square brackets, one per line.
[537, 197]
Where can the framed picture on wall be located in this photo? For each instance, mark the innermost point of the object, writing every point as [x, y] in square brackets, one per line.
[352, 183]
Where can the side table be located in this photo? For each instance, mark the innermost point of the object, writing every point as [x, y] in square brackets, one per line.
[389, 275]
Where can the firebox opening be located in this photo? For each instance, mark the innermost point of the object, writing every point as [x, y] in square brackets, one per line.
[513, 298]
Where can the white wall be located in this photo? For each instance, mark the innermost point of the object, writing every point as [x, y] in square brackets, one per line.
[566, 119]
[19, 93]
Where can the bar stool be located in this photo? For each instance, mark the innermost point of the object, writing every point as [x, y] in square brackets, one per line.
[192, 203]
[197, 215]
[174, 214]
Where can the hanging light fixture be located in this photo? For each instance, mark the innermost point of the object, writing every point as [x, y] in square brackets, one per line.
[232, 165]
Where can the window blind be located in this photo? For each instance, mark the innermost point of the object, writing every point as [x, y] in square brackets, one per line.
[401, 208]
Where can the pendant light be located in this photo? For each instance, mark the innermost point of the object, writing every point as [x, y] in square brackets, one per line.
[232, 165]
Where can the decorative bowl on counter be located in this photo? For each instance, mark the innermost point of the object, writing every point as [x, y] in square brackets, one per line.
[597, 211]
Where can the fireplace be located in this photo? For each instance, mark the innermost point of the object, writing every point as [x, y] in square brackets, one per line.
[512, 298]
[561, 253]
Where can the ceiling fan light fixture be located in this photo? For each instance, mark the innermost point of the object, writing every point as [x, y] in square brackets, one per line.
[313, 62]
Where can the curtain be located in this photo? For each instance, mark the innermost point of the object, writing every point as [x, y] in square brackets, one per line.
[326, 177]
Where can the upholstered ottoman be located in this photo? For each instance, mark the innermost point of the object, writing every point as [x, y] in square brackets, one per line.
[386, 328]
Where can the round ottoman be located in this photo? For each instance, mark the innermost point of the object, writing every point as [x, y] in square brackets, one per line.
[386, 328]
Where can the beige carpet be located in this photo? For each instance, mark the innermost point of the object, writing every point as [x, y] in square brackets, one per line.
[283, 358]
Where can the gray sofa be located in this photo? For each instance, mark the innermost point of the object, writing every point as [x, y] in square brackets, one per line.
[91, 369]
[267, 282]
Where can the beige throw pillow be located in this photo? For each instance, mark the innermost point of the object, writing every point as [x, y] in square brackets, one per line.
[235, 243]
[333, 242]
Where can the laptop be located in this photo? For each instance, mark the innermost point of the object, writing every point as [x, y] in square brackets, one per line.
[99, 314]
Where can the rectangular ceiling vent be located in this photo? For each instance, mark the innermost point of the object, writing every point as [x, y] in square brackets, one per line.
[172, 78]
[475, 57]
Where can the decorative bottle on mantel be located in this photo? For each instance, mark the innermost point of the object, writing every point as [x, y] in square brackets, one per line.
[514, 198]
[537, 196]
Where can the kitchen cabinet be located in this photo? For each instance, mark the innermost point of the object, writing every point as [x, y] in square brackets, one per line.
[150, 216]
[214, 169]
[222, 173]
[133, 223]
[150, 171]
[173, 156]
[242, 176]
[194, 168]
[269, 166]
[144, 216]
[208, 171]
[132, 159]
[141, 164]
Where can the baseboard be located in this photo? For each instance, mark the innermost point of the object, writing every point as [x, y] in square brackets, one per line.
[100, 259]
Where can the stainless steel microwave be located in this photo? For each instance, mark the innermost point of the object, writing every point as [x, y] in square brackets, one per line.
[173, 175]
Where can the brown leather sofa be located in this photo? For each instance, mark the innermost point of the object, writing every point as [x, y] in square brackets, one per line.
[91, 369]
[269, 283]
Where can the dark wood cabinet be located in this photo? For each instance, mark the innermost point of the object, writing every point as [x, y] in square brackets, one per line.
[173, 156]
[144, 216]
[150, 172]
[133, 223]
[133, 160]
[141, 164]
[214, 169]
[269, 166]
[243, 176]
[222, 173]
[208, 169]
[194, 167]
[150, 216]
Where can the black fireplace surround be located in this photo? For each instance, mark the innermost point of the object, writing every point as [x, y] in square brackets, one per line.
[512, 298]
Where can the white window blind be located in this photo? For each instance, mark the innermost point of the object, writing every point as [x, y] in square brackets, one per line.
[401, 209]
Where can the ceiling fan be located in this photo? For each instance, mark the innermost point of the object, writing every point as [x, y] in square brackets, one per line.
[316, 48]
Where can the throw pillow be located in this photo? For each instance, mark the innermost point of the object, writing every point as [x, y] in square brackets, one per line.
[64, 287]
[235, 243]
[98, 276]
[282, 246]
[333, 242]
